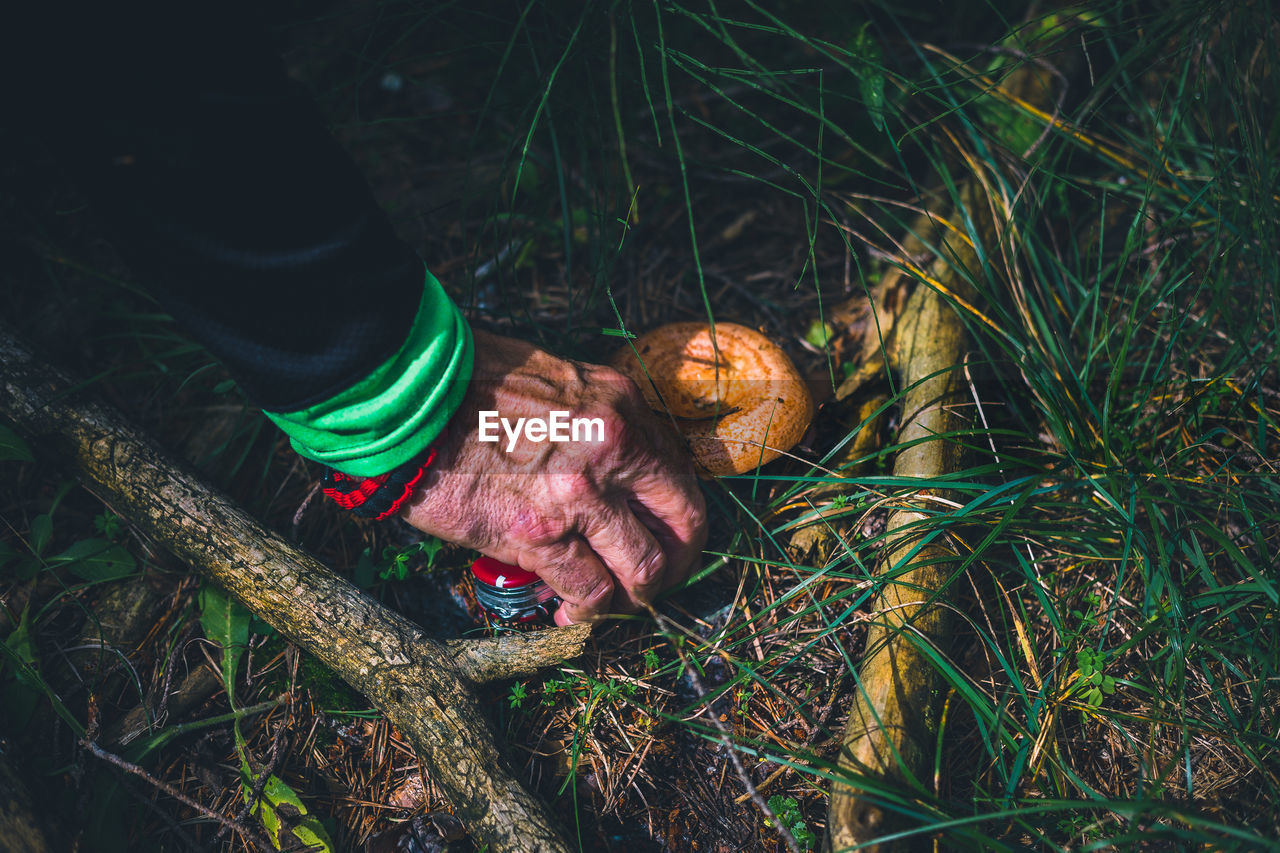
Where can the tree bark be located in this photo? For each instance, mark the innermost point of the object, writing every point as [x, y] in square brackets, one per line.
[423, 686]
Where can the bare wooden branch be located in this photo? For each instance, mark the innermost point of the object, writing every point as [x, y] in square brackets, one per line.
[423, 686]
[892, 728]
[891, 731]
[516, 655]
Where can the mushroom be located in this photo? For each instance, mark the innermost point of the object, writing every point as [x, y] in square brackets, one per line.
[736, 397]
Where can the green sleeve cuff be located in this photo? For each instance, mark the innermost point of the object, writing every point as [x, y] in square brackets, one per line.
[391, 416]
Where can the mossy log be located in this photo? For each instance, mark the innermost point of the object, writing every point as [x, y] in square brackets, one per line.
[423, 686]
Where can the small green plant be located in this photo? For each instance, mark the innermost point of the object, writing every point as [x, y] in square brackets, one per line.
[552, 688]
[13, 447]
[395, 563]
[20, 689]
[651, 661]
[593, 690]
[787, 811]
[108, 525]
[517, 695]
[1093, 683]
[92, 560]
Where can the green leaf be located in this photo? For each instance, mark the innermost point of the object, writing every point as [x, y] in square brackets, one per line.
[96, 560]
[19, 641]
[13, 447]
[262, 629]
[819, 333]
[396, 570]
[870, 62]
[7, 554]
[1108, 685]
[19, 651]
[431, 546]
[25, 568]
[108, 524]
[284, 815]
[226, 623]
[41, 532]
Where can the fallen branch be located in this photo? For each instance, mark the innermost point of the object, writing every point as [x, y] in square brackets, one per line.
[891, 731]
[421, 685]
[515, 655]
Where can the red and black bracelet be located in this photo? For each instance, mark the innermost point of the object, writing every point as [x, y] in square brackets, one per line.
[377, 497]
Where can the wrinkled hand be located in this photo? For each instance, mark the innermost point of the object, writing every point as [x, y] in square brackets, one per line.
[607, 524]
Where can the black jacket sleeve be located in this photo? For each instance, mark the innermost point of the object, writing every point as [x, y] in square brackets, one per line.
[221, 186]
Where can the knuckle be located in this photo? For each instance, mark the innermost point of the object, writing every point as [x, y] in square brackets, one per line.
[651, 567]
[599, 595]
[539, 529]
[614, 428]
[573, 488]
[602, 373]
[621, 388]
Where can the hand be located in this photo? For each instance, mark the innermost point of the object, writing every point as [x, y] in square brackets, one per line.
[607, 524]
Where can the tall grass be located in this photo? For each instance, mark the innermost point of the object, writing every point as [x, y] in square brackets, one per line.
[1120, 518]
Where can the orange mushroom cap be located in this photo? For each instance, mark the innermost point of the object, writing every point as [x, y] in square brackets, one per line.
[738, 410]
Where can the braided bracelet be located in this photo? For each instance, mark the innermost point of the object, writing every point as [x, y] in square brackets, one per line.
[377, 497]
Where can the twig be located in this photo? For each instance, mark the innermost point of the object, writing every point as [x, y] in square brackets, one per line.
[170, 667]
[302, 507]
[111, 758]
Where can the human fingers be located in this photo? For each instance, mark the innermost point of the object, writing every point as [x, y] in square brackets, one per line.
[651, 463]
[627, 549]
[681, 555]
[672, 507]
[576, 574]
